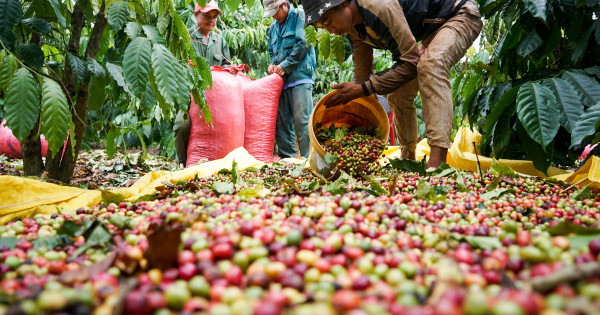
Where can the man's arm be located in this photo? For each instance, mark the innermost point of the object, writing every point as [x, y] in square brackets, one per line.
[362, 55]
[300, 48]
[406, 55]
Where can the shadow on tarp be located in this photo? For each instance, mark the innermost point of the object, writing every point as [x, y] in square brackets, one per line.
[24, 197]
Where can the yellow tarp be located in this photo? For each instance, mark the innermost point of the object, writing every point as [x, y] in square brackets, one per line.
[462, 155]
[23, 197]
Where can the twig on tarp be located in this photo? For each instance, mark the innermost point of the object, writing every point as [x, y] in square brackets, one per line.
[565, 275]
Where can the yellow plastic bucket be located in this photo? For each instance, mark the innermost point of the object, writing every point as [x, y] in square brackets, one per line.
[361, 112]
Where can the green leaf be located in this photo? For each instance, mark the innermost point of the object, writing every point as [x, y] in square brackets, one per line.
[8, 37]
[32, 55]
[104, 44]
[117, 15]
[153, 34]
[581, 194]
[121, 222]
[11, 12]
[205, 73]
[337, 187]
[51, 242]
[538, 112]
[587, 87]
[442, 170]
[471, 88]
[586, 125]
[163, 64]
[529, 44]
[495, 194]
[597, 32]
[77, 66]
[460, 182]
[534, 151]
[338, 49]
[98, 92]
[493, 185]
[222, 188]
[55, 115]
[509, 12]
[136, 65]
[235, 174]
[376, 189]
[38, 25]
[595, 71]
[22, 104]
[94, 67]
[311, 36]
[329, 158]
[568, 227]
[502, 131]
[481, 242]
[133, 29]
[109, 197]
[324, 43]
[10, 64]
[96, 235]
[9, 242]
[58, 12]
[72, 229]
[409, 165]
[568, 101]
[117, 73]
[503, 170]
[185, 84]
[537, 8]
[297, 171]
[111, 146]
[579, 242]
[580, 47]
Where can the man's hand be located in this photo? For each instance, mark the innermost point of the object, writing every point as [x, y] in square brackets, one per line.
[275, 69]
[347, 91]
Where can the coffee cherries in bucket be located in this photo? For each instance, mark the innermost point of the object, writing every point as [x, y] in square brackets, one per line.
[353, 150]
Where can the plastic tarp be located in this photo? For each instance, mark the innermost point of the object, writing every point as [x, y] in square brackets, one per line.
[23, 197]
[462, 155]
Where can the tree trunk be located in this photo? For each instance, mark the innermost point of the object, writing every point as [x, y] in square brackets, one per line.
[61, 168]
[31, 147]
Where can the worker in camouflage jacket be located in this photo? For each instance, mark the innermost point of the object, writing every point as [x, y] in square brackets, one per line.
[425, 37]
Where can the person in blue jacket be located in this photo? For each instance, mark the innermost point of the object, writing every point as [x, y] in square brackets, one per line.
[295, 61]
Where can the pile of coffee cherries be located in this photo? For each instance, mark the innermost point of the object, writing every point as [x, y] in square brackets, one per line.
[356, 150]
[271, 248]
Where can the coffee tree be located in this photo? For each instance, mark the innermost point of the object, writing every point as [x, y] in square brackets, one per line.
[61, 59]
[539, 97]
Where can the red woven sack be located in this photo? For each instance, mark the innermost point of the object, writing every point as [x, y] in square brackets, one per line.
[226, 103]
[10, 145]
[261, 101]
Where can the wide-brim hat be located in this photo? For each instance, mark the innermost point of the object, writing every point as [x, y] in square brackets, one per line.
[314, 9]
[271, 7]
[212, 5]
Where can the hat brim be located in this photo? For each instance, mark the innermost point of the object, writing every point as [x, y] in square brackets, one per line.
[210, 9]
[270, 13]
[315, 14]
